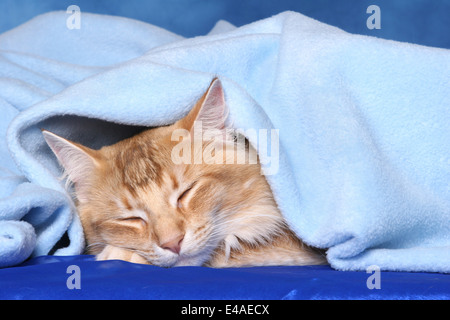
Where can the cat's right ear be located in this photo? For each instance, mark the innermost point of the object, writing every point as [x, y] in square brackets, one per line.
[211, 110]
[78, 161]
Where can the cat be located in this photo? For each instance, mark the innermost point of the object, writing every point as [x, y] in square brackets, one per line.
[136, 204]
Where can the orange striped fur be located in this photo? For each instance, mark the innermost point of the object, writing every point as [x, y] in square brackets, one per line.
[137, 205]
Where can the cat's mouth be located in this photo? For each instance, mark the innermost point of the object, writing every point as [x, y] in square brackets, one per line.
[191, 253]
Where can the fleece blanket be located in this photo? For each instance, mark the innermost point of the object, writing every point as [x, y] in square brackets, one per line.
[362, 163]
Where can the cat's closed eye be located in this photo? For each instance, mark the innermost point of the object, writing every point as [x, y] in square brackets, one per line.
[183, 196]
[134, 220]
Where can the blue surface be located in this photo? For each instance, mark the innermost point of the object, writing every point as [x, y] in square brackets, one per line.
[45, 278]
[417, 21]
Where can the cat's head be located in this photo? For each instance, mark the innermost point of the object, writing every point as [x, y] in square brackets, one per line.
[151, 194]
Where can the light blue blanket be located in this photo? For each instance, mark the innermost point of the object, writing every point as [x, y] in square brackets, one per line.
[364, 126]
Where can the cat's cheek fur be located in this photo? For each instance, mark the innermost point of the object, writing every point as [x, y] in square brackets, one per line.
[198, 260]
[197, 250]
[163, 258]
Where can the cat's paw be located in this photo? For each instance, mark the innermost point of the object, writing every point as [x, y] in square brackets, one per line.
[115, 253]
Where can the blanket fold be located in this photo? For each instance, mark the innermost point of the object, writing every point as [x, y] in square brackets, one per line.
[363, 164]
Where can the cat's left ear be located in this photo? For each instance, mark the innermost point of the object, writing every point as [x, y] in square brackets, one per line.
[211, 109]
[79, 162]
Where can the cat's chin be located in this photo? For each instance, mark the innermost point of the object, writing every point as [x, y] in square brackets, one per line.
[185, 261]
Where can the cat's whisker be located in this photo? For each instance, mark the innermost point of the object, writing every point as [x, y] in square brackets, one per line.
[96, 245]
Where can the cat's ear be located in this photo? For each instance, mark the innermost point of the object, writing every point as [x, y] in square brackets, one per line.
[211, 109]
[78, 161]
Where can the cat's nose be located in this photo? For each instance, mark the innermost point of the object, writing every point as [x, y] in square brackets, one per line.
[174, 244]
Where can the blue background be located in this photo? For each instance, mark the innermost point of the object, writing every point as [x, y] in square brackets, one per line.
[424, 22]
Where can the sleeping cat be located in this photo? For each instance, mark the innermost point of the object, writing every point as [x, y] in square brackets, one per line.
[137, 204]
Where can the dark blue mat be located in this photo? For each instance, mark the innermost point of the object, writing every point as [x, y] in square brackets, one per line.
[47, 278]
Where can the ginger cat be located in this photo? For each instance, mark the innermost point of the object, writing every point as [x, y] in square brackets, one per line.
[137, 204]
